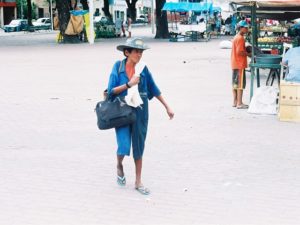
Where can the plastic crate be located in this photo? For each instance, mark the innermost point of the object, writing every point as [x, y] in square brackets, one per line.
[271, 45]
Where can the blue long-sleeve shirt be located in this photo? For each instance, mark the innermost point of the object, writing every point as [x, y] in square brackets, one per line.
[292, 59]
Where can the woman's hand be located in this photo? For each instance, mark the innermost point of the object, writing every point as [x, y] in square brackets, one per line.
[170, 112]
[134, 81]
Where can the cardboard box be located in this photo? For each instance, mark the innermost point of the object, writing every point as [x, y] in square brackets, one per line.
[289, 101]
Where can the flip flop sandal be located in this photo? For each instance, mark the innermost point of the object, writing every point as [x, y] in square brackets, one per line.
[121, 180]
[242, 107]
[143, 190]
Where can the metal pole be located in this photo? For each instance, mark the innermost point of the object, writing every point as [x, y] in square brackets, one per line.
[91, 9]
[254, 44]
[152, 16]
[206, 18]
[51, 16]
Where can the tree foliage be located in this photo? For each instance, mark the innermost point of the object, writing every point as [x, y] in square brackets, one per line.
[22, 12]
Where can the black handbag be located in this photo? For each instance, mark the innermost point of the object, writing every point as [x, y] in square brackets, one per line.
[114, 113]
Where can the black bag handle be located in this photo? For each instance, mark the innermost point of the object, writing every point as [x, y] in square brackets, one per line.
[105, 92]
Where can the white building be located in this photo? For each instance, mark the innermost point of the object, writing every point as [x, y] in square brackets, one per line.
[118, 8]
[42, 8]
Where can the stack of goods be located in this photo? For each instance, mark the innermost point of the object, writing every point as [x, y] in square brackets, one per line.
[289, 101]
[274, 44]
[275, 29]
[275, 40]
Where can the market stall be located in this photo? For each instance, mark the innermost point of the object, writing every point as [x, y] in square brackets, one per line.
[274, 36]
[186, 30]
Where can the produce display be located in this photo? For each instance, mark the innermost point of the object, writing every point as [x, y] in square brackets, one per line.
[275, 44]
[275, 29]
[275, 40]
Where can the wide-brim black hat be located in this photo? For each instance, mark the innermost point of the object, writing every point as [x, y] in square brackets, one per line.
[136, 43]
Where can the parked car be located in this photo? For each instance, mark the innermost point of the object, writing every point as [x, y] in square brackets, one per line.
[143, 18]
[101, 19]
[140, 21]
[42, 23]
[16, 25]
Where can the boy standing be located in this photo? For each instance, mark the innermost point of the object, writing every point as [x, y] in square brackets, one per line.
[238, 64]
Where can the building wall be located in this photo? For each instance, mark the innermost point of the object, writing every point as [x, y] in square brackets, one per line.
[117, 9]
[42, 8]
[7, 11]
[1, 17]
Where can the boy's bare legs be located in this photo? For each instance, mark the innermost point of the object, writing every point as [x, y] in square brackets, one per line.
[239, 97]
[120, 170]
[138, 172]
[240, 104]
[138, 180]
[234, 92]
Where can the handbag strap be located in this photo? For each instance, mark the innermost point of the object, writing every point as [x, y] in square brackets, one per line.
[105, 92]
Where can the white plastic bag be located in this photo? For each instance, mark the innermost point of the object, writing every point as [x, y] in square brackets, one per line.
[225, 45]
[264, 101]
[133, 97]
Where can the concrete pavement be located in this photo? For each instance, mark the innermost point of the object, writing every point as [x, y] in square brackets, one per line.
[212, 164]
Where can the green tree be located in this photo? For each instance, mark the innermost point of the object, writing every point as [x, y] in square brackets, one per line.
[22, 9]
[63, 8]
[131, 8]
[162, 30]
[105, 9]
[29, 12]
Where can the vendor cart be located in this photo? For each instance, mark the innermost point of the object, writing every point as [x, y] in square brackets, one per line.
[280, 10]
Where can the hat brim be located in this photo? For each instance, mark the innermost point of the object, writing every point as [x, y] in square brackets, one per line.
[122, 47]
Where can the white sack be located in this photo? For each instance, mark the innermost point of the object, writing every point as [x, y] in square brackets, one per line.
[264, 101]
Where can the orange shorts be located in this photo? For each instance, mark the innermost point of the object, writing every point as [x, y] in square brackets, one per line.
[238, 79]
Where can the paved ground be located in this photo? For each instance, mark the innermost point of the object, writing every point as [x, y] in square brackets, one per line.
[212, 164]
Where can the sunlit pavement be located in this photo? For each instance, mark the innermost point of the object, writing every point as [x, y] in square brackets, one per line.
[212, 164]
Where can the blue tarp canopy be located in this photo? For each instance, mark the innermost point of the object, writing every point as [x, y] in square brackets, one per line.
[187, 6]
[79, 12]
[217, 9]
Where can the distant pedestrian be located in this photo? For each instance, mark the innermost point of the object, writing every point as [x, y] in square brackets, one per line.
[118, 25]
[239, 64]
[129, 22]
[228, 22]
[123, 28]
[126, 74]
